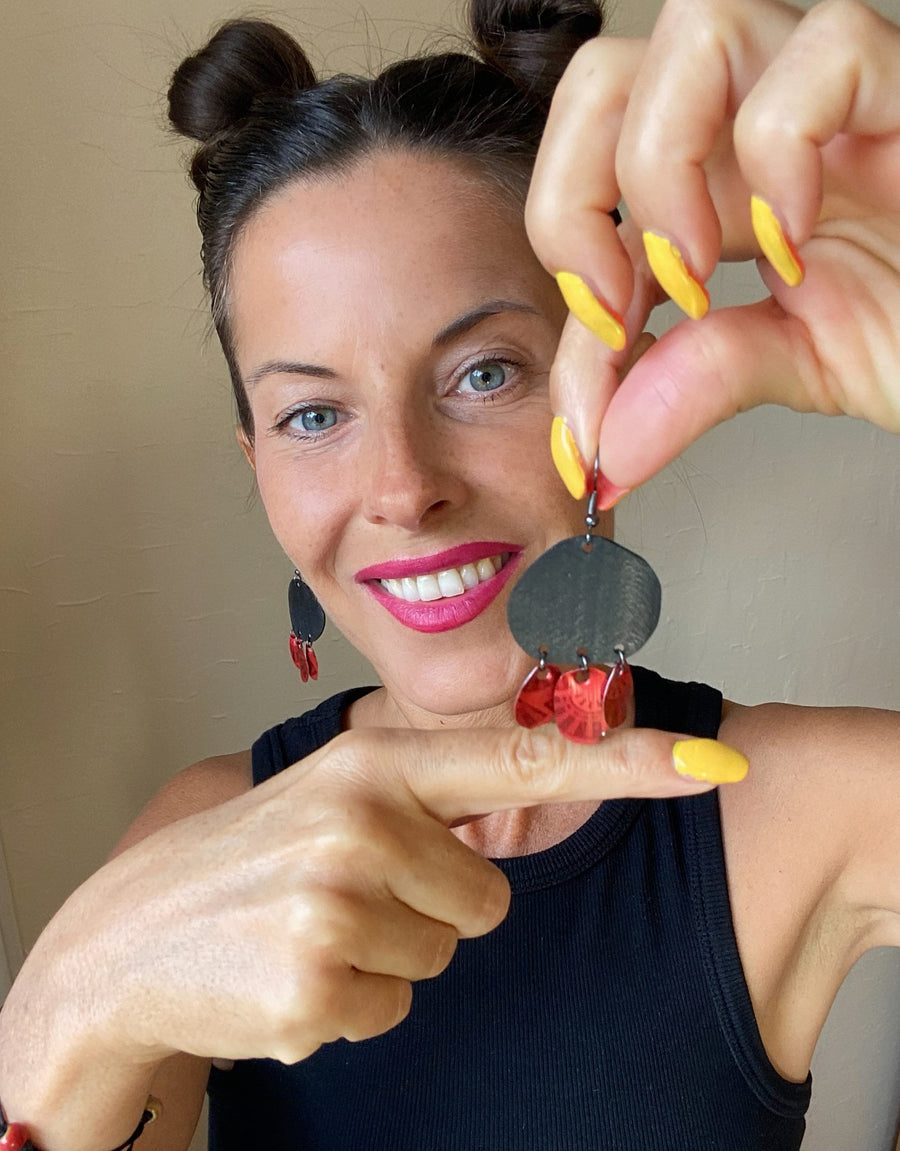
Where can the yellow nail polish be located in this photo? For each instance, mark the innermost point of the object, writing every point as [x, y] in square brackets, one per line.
[583, 304]
[668, 265]
[777, 248]
[567, 458]
[709, 761]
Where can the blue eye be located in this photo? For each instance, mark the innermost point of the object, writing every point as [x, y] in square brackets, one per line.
[488, 376]
[314, 419]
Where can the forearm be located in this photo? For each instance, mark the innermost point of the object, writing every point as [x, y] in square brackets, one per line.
[60, 1075]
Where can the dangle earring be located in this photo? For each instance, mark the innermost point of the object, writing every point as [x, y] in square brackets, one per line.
[307, 624]
[585, 601]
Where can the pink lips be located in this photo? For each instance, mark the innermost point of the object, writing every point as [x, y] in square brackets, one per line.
[443, 614]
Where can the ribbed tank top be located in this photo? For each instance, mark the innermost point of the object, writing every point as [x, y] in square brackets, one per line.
[608, 1012]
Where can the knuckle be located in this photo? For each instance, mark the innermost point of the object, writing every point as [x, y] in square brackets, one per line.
[442, 950]
[529, 764]
[387, 1007]
[489, 902]
[403, 994]
[840, 20]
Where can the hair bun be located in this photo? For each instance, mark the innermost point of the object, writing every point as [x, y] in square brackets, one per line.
[532, 41]
[244, 60]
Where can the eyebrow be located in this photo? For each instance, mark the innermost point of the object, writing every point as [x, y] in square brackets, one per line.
[445, 336]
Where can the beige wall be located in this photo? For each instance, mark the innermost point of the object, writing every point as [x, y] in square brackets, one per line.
[142, 601]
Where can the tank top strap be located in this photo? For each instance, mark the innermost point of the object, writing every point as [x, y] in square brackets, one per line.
[293, 740]
[691, 708]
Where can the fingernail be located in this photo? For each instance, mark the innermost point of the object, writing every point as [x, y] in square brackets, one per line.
[709, 761]
[777, 248]
[667, 264]
[567, 458]
[585, 306]
[608, 494]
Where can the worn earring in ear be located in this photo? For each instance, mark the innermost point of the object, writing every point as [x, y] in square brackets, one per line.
[585, 601]
[307, 624]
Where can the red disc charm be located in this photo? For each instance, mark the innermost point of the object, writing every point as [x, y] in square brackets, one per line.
[312, 661]
[578, 705]
[534, 703]
[298, 655]
[618, 691]
[15, 1139]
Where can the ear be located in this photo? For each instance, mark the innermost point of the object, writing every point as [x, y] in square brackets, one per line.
[246, 445]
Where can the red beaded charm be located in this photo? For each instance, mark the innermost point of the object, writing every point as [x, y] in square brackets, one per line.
[15, 1138]
[618, 691]
[534, 703]
[578, 705]
[298, 655]
[312, 662]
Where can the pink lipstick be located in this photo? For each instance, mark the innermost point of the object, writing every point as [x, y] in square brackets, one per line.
[437, 610]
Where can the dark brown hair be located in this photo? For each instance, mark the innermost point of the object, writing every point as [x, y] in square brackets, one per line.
[252, 101]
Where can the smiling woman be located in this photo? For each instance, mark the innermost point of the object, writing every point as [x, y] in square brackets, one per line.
[428, 411]
[608, 951]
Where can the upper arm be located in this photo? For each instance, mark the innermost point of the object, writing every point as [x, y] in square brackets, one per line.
[180, 1081]
[866, 757]
[823, 808]
[196, 788]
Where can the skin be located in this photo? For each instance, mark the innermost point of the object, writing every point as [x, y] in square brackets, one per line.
[417, 461]
[311, 870]
[727, 99]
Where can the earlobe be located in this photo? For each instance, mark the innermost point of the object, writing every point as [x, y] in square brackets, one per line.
[246, 445]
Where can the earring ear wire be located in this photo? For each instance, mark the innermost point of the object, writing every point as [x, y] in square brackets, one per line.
[588, 597]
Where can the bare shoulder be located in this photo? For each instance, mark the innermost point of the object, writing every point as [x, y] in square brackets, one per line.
[202, 785]
[812, 854]
[835, 771]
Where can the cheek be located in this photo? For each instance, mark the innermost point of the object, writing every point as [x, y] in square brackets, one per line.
[304, 508]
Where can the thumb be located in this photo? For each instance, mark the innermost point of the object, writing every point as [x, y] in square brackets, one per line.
[701, 374]
[464, 774]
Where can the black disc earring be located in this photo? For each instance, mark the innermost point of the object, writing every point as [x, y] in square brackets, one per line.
[587, 600]
[307, 624]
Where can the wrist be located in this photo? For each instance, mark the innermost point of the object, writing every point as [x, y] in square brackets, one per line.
[17, 1137]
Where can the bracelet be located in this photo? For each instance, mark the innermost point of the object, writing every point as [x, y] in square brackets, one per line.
[15, 1137]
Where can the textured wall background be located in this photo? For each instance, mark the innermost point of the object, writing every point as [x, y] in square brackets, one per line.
[142, 615]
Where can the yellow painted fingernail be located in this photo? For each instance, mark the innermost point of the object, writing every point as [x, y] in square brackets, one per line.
[777, 248]
[709, 761]
[583, 304]
[676, 281]
[567, 458]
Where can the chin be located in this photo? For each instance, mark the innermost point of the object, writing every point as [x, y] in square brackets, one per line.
[461, 686]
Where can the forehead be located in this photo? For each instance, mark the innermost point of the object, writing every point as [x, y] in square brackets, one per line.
[398, 241]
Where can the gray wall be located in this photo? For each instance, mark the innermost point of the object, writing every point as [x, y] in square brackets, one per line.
[142, 598]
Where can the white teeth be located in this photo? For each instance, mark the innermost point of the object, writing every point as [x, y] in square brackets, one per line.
[486, 568]
[446, 583]
[469, 575]
[429, 588]
[450, 582]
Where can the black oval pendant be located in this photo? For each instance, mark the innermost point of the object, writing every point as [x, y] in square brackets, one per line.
[594, 598]
[307, 617]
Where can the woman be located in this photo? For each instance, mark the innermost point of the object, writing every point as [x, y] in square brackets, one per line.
[390, 336]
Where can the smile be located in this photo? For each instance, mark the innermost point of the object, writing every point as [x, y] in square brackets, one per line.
[443, 591]
[447, 583]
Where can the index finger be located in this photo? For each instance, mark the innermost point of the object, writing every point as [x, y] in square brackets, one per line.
[574, 187]
[458, 774]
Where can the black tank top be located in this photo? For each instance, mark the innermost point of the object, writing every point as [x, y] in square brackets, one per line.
[608, 1012]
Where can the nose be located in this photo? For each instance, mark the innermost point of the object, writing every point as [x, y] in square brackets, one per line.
[409, 474]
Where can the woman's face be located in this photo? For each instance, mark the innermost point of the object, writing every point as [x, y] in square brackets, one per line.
[395, 335]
